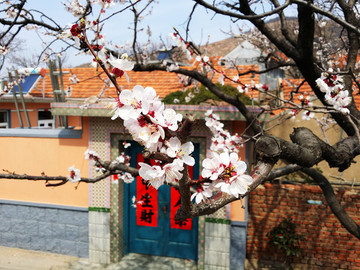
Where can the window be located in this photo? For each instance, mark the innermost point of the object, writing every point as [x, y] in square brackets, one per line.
[45, 119]
[4, 119]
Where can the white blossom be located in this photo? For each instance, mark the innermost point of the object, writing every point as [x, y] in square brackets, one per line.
[74, 174]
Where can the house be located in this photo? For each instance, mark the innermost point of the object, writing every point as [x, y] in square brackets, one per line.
[99, 220]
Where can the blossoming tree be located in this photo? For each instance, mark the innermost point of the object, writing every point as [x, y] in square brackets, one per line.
[164, 133]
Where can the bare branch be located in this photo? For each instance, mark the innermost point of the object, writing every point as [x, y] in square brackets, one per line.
[333, 202]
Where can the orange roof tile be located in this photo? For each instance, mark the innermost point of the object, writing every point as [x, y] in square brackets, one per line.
[91, 81]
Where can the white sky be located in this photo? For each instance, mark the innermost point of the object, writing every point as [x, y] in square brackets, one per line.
[165, 15]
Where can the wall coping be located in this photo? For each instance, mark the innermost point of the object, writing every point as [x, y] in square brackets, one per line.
[45, 205]
[41, 133]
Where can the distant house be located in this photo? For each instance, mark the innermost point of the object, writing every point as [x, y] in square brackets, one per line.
[247, 53]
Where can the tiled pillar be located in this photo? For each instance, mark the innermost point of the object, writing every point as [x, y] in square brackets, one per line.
[99, 235]
[217, 244]
[238, 245]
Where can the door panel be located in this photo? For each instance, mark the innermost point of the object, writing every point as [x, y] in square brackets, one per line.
[163, 237]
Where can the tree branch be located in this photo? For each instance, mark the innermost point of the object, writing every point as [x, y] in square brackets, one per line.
[332, 201]
[307, 149]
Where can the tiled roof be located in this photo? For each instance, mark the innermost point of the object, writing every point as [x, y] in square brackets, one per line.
[91, 83]
[291, 85]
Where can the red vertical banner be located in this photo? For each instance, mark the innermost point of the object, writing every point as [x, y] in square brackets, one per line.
[147, 201]
[174, 206]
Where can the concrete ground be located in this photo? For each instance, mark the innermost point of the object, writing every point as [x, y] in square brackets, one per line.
[19, 259]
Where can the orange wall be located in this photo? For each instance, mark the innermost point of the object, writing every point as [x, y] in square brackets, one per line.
[237, 213]
[32, 109]
[52, 156]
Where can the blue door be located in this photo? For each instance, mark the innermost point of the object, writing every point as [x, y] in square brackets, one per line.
[149, 221]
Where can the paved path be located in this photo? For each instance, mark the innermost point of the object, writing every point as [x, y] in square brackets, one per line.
[20, 259]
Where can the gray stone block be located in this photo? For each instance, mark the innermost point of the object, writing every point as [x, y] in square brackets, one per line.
[23, 241]
[71, 232]
[51, 215]
[82, 219]
[18, 226]
[5, 225]
[9, 211]
[24, 212]
[83, 250]
[8, 239]
[84, 234]
[31, 227]
[45, 229]
[73, 218]
[58, 231]
[52, 245]
[68, 247]
[65, 217]
[37, 213]
[38, 243]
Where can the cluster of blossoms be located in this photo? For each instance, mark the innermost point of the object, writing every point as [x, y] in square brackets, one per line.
[91, 155]
[105, 3]
[203, 59]
[227, 173]
[150, 124]
[73, 80]
[118, 66]
[180, 43]
[222, 140]
[224, 169]
[75, 8]
[307, 115]
[333, 87]
[249, 87]
[147, 120]
[305, 101]
[124, 159]
[7, 88]
[78, 10]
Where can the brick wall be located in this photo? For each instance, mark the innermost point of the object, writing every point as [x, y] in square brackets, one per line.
[326, 243]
